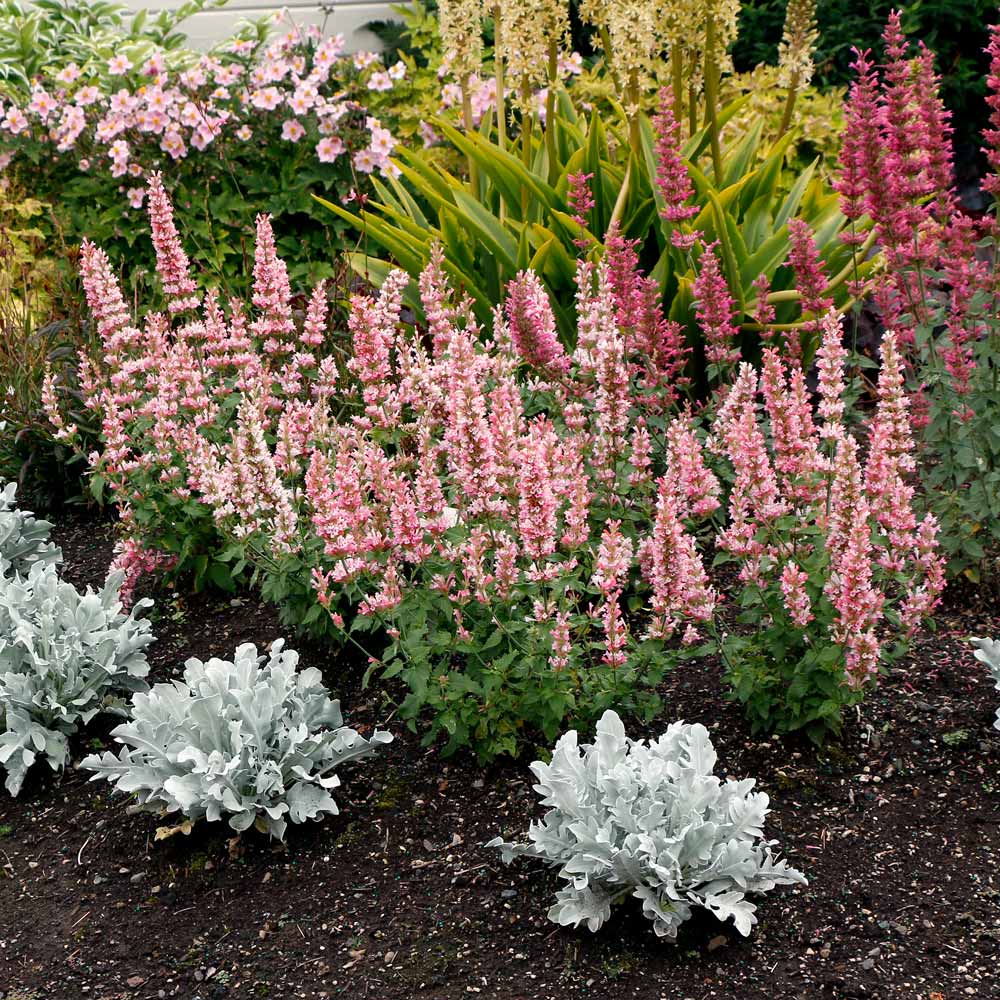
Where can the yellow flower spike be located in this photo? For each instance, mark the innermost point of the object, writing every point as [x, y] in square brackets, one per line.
[462, 35]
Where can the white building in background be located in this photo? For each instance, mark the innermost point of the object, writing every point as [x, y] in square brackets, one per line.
[342, 17]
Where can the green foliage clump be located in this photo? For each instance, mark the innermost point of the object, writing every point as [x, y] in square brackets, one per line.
[40, 325]
[961, 438]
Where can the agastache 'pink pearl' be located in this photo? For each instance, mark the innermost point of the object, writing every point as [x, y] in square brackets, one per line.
[562, 645]
[830, 361]
[615, 632]
[715, 309]
[272, 294]
[793, 588]
[674, 570]
[533, 324]
[672, 178]
[104, 298]
[372, 324]
[580, 201]
[614, 558]
[793, 433]
[694, 486]
[537, 504]
[809, 277]
[172, 264]
[852, 593]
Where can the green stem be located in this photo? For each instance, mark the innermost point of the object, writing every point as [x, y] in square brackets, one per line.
[354, 642]
[677, 81]
[501, 101]
[786, 115]
[550, 112]
[692, 101]
[856, 313]
[713, 629]
[469, 129]
[526, 129]
[633, 103]
[712, 97]
[785, 327]
[608, 58]
[786, 295]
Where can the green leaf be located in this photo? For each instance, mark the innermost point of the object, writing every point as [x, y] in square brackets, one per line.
[739, 159]
[492, 234]
[791, 203]
[503, 168]
[734, 253]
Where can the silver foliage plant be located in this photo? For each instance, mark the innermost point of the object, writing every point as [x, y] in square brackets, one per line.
[651, 820]
[64, 656]
[24, 540]
[255, 739]
[988, 652]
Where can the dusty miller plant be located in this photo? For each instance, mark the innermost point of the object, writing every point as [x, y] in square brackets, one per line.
[253, 739]
[651, 820]
[63, 658]
[988, 652]
[24, 541]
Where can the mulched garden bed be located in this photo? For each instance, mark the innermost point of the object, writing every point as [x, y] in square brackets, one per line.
[897, 828]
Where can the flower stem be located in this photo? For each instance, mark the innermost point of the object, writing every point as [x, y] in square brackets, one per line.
[712, 97]
[527, 125]
[786, 115]
[550, 111]
[501, 101]
[677, 81]
[469, 129]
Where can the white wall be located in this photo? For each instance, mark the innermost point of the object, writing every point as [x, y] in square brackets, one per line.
[210, 26]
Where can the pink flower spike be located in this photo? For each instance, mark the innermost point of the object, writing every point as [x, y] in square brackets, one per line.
[764, 312]
[655, 345]
[172, 263]
[104, 296]
[314, 327]
[861, 182]
[537, 503]
[793, 587]
[533, 324]
[715, 309]
[675, 571]
[694, 486]
[614, 559]
[810, 279]
[580, 202]
[562, 645]
[991, 183]
[672, 178]
[272, 294]
[615, 632]
[830, 361]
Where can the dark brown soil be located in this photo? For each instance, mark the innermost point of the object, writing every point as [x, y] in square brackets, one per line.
[897, 828]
